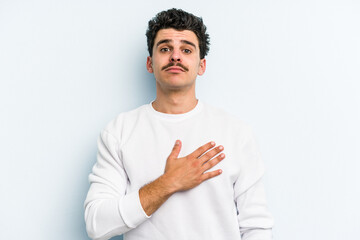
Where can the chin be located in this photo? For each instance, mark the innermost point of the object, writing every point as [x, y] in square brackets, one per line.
[175, 82]
[174, 86]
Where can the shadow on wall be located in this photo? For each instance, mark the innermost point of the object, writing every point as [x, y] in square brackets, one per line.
[143, 81]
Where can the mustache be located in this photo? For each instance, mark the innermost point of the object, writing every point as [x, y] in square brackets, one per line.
[173, 64]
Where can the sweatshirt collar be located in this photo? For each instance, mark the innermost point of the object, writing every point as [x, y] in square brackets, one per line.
[176, 117]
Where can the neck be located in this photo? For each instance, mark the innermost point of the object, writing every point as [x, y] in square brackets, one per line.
[175, 102]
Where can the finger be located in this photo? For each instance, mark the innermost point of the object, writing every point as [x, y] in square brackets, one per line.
[209, 164]
[201, 150]
[176, 150]
[210, 154]
[212, 174]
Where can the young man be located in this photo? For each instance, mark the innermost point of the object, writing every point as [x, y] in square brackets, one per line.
[161, 172]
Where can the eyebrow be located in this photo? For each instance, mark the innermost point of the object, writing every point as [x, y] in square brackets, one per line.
[168, 40]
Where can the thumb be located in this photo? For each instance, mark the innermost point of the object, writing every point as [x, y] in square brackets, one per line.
[176, 150]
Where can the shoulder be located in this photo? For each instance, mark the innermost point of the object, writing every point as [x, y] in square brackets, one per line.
[124, 123]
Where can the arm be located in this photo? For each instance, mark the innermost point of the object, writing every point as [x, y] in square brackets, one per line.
[255, 221]
[111, 211]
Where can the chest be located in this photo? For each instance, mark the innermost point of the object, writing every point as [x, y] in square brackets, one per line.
[146, 151]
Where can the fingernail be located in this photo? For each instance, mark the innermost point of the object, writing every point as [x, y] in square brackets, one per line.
[177, 142]
[220, 171]
[212, 143]
[222, 155]
[221, 147]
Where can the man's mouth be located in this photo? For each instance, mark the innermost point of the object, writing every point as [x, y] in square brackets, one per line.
[175, 68]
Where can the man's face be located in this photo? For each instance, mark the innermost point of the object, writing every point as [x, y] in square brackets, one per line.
[176, 59]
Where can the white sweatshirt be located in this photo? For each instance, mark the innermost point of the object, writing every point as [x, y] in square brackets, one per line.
[132, 151]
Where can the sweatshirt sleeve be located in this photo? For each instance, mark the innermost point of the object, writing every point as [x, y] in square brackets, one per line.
[255, 221]
[109, 209]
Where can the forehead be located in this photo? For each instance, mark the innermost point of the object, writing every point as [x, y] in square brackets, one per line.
[176, 36]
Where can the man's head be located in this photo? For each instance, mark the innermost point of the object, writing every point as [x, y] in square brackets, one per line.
[178, 20]
[177, 43]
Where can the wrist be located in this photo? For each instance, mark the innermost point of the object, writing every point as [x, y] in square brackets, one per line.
[168, 185]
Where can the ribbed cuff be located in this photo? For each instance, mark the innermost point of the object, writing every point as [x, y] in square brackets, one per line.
[131, 210]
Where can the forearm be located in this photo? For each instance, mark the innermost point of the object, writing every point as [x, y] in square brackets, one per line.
[255, 220]
[107, 216]
[103, 219]
[154, 194]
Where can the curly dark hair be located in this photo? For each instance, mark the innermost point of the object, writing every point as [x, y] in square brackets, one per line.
[179, 20]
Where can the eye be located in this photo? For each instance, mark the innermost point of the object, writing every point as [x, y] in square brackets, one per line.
[187, 51]
[164, 49]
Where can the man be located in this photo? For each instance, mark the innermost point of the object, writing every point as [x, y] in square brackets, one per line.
[159, 173]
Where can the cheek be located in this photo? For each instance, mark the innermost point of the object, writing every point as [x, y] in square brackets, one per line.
[157, 71]
[195, 67]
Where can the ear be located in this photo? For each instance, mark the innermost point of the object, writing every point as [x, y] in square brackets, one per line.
[149, 64]
[202, 67]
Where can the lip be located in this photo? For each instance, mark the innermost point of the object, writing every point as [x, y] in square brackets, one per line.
[174, 69]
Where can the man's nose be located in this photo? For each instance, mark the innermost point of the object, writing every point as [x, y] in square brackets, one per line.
[175, 56]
